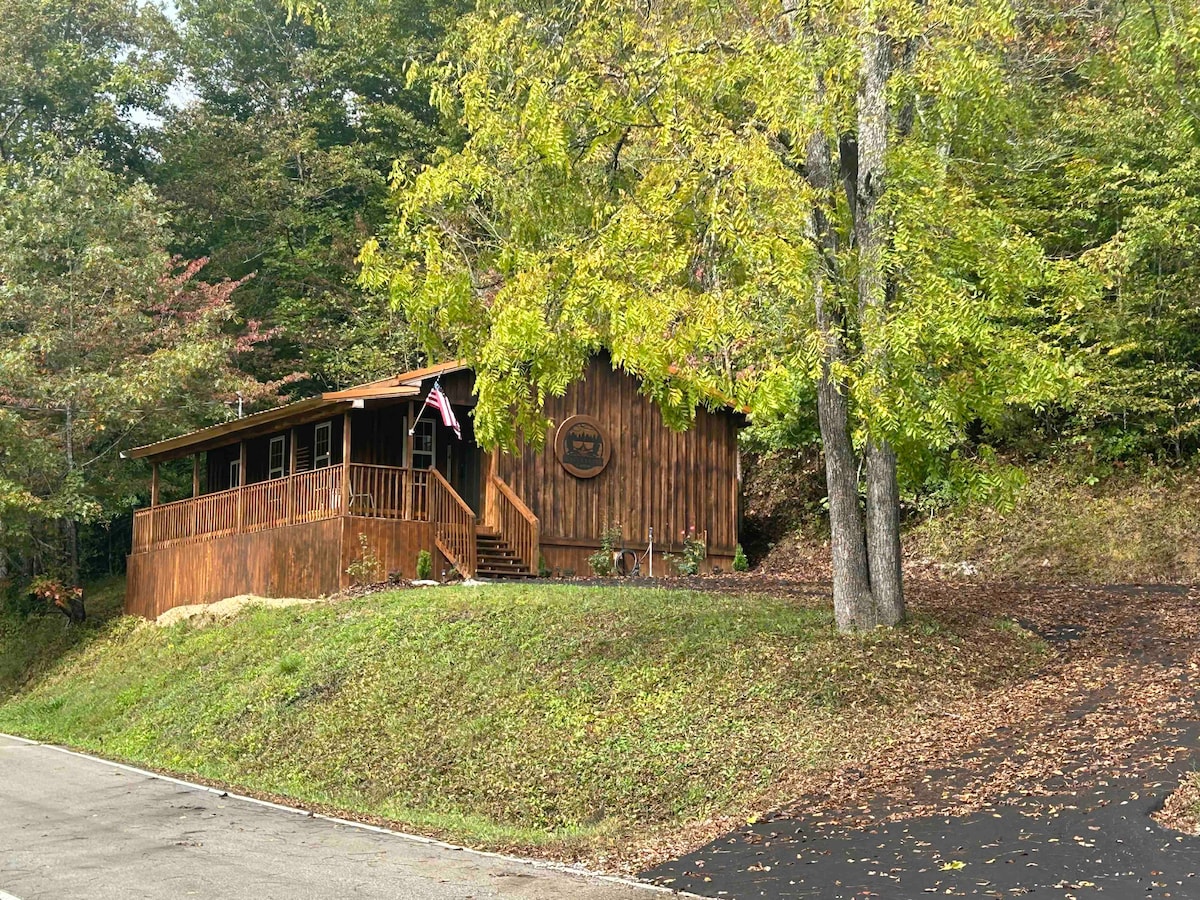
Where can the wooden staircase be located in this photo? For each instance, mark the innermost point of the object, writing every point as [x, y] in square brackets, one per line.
[495, 559]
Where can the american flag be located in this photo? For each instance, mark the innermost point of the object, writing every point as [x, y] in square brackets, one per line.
[438, 400]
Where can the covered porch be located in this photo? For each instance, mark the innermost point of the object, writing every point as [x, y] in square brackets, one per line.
[281, 502]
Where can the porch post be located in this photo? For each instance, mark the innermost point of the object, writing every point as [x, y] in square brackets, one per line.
[241, 493]
[346, 463]
[488, 495]
[411, 476]
[293, 500]
[153, 502]
[195, 521]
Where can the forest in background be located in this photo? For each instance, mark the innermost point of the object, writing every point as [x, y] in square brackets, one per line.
[186, 199]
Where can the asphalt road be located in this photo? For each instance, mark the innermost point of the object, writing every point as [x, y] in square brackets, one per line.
[1095, 762]
[73, 827]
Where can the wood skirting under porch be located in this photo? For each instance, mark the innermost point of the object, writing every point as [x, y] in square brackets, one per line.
[307, 559]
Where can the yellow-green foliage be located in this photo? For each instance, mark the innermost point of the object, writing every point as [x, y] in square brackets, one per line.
[635, 179]
[514, 715]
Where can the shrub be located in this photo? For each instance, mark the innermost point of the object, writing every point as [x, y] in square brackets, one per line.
[424, 565]
[67, 599]
[740, 563]
[601, 562]
[694, 552]
[365, 569]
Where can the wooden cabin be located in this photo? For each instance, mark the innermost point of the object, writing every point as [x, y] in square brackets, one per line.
[283, 501]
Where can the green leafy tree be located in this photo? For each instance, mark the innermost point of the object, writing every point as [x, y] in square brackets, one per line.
[1108, 172]
[733, 198]
[105, 343]
[278, 167]
[81, 75]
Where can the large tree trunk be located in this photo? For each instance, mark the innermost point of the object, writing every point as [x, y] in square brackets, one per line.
[871, 236]
[883, 534]
[853, 605]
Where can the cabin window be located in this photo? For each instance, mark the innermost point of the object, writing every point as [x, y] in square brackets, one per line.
[277, 458]
[235, 473]
[422, 446]
[322, 445]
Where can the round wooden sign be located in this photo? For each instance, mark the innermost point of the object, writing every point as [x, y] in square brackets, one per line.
[582, 446]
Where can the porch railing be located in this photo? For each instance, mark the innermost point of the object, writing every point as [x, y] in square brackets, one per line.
[453, 524]
[375, 491]
[387, 492]
[516, 524]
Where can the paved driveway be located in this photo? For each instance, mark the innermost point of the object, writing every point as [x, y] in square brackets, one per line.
[71, 827]
[1045, 790]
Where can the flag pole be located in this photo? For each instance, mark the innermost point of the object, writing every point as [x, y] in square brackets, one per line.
[413, 429]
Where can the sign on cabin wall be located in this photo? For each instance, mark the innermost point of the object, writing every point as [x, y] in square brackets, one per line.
[582, 447]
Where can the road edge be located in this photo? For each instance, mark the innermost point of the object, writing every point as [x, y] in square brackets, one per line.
[546, 865]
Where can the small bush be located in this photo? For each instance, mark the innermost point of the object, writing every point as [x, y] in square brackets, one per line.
[740, 563]
[365, 569]
[67, 599]
[424, 565]
[694, 552]
[601, 562]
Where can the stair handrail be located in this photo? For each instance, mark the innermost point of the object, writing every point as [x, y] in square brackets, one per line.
[453, 524]
[516, 524]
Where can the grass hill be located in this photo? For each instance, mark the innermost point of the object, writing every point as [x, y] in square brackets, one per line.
[571, 721]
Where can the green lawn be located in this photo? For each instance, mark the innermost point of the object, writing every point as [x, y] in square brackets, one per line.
[556, 719]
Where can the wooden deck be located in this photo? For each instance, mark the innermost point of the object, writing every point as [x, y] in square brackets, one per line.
[298, 536]
[375, 492]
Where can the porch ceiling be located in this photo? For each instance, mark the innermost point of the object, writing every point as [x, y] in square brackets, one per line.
[271, 420]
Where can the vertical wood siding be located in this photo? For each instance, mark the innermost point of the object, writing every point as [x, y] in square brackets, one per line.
[656, 477]
[307, 560]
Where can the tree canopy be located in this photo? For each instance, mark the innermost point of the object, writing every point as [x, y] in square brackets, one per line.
[795, 204]
[934, 238]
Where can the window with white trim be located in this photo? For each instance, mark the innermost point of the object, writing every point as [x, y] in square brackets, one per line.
[277, 457]
[422, 448]
[323, 445]
[235, 473]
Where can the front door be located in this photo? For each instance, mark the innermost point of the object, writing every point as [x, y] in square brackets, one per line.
[460, 461]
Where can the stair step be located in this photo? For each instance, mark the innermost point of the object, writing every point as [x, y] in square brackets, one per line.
[511, 573]
[494, 558]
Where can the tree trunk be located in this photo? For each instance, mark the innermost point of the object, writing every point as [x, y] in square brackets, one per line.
[883, 534]
[853, 606]
[70, 527]
[871, 236]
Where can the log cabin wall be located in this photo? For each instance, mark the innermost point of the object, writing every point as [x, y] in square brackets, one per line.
[379, 436]
[655, 477]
